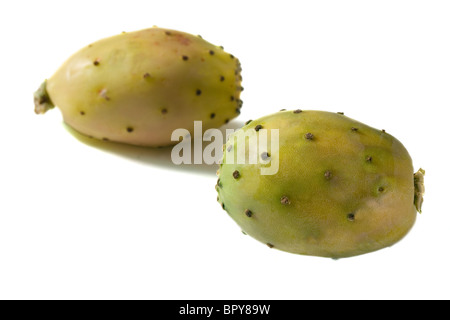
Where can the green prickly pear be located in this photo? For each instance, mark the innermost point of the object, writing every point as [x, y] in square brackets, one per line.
[138, 87]
[342, 188]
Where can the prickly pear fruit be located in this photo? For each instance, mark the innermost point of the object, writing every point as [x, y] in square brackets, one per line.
[138, 87]
[342, 188]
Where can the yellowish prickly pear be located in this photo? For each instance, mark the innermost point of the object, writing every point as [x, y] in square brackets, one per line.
[138, 87]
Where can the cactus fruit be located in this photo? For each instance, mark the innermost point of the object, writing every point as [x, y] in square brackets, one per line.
[342, 188]
[138, 87]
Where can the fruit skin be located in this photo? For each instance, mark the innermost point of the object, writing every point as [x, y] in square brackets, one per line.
[342, 188]
[138, 87]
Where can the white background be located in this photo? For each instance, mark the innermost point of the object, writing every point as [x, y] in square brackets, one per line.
[84, 220]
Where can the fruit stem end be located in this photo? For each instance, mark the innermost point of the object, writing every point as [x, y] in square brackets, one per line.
[42, 101]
